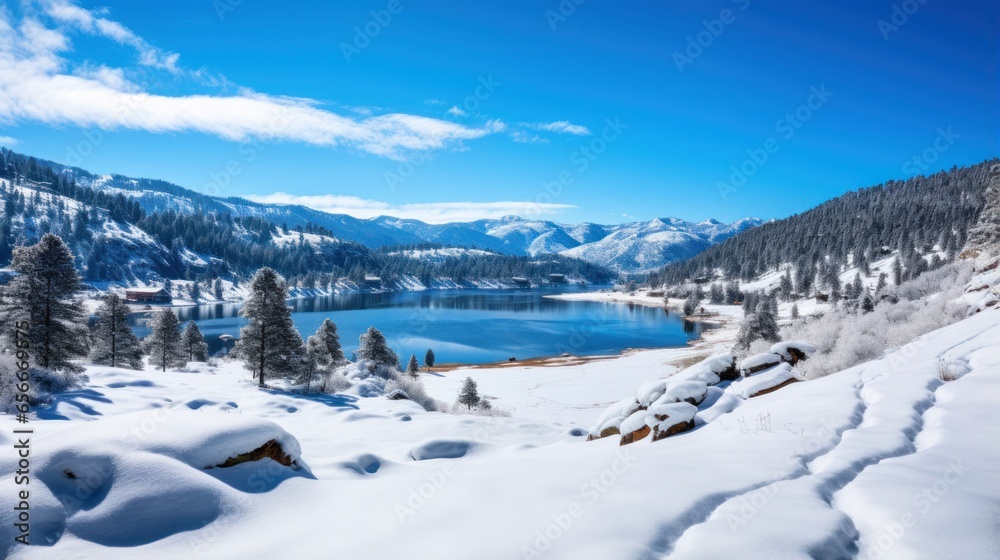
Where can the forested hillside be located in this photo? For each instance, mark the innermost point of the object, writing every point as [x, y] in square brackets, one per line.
[117, 238]
[916, 217]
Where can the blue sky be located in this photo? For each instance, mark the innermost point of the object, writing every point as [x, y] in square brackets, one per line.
[599, 111]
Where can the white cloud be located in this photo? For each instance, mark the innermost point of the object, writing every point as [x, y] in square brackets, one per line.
[431, 212]
[561, 127]
[456, 111]
[525, 137]
[8, 141]
[38, 84]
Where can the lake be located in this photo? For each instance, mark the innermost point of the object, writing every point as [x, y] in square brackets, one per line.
[466, 326]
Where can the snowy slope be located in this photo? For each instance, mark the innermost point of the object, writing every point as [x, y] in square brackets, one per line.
[884, 460]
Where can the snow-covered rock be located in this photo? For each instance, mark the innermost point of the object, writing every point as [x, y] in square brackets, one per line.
[692, 392]
[670, 419]
[765, 381]
[759, 362]
[793, 351]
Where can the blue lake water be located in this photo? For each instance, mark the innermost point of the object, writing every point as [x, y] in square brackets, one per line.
[467, 326]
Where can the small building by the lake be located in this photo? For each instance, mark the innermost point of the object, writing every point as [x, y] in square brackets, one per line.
[147, 295]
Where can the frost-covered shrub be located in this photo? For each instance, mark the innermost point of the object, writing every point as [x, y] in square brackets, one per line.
[415, 390]
[334, 382]
[844, 338]
[43, 384]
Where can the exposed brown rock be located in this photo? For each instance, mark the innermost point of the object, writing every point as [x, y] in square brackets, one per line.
[775, 388]
[636, 435]
[270, 450]
[675, 429]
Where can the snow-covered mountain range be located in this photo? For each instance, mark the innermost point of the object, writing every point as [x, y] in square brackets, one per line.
[636, 247]
[629, 247]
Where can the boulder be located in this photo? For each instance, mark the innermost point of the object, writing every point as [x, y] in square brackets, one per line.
[634, 427]
[668, 428]
[692, 392]
[610, 428]
[670, 419]
[758, 363]
[793, 351]
[712, 370]
[764, 382]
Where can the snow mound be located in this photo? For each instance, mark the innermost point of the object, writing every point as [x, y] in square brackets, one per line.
[140, 477]
[441, 449]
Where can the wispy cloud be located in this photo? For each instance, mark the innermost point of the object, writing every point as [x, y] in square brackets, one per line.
[8, 141]
[455, 111]
[431, 212]
[560, 127]
[525, 137]
[38, 83]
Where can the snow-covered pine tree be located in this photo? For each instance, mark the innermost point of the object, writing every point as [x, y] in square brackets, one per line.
[374, 348]
[469, 395]
[195, 291]
[795, 311]
[867, 303]
[716, 295]
[761, 324]
[269, 344]
[217, 289]
[194, 343]
[882, 283]
[412, 367]
[786, 285]
[691, 304]
[429, 359]
[43, 295]
[327, 336]
[164, 345]
[767, 321]
[112, 341]
[897, 271]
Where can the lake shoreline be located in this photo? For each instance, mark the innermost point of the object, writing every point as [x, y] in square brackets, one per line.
[720, 326]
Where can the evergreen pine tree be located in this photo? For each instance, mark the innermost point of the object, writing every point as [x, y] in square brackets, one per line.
[716, 295]
[691, 304]
[112, 341]
[429, 359]
[786, 285]
[43, 296]
[767, 322]
[867, 303]
[217, 289]
[195, 291]
[469, 395]
[374, 348]
[269, 344]
[194, 343]
[164, 344]
[795, 311]
[326, 335]
[897, 271]
[412, 367]
[882, 283]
